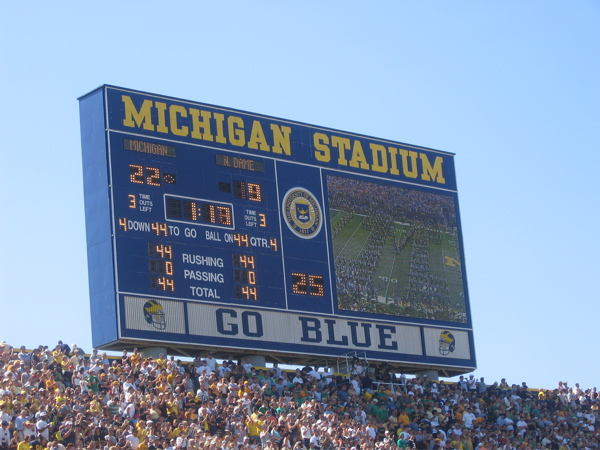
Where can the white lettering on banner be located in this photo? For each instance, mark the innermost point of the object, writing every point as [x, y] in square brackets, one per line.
[299, 329]
[201, 260]
[136, 225]
[259, 242]
[204, 292]
[203, 276]
[145, 204]
[213, 236]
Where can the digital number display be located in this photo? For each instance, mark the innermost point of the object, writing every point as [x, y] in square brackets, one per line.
[162, 283]
[160, 250]
[150, 176]
[160, 228]
[244, 276]
[304, 284]
[241, 240]
[197, 211]
[165, 267]
[247, 191]
[246, 261]
[246, 292]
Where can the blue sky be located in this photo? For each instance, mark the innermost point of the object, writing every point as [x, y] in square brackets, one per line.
[510, 87]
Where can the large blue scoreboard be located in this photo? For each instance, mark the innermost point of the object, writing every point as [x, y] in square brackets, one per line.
[209, 227]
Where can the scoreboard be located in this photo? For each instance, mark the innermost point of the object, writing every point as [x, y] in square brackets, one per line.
[209, 227]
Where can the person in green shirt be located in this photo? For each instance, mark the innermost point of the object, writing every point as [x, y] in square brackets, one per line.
[379, 411]
[93, 381]
[401, 443]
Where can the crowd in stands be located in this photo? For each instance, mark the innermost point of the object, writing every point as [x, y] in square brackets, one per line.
[58, 398]
[361, 197]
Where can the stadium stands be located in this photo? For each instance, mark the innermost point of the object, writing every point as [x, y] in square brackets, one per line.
[60, 399]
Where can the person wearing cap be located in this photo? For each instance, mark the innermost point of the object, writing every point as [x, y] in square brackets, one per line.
[462, 384]
[4, 435]
[472, 383]
[305, 433]
[43, 427]
[122, 442]
[224, 370]
[481, 386]
[203, 368]
[247, 366]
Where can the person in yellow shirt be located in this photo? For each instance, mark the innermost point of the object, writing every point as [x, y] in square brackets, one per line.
[458, 415]
[175, 432]
[50, 384]
[244, 389]
[191, 415]
[117, 368]
[403, 418]
[135, 358]
[58, 356]
[161, 362]
[172, 407]
[163, 386]
[456, 444]
[24, 444]
[142, 429]
[254, 425]
[59, 399]
[171, 378]
[184, 428]
[467, 443]
[144, 444]
[96, 406]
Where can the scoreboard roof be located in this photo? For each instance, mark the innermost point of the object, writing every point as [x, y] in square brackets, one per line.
[214, 228]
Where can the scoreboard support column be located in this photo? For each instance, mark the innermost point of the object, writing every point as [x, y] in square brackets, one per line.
[257, 360]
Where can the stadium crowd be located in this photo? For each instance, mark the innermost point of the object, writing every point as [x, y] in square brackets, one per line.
[58, 398]
[362, 197]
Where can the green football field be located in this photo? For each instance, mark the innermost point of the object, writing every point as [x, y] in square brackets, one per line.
[397, 268]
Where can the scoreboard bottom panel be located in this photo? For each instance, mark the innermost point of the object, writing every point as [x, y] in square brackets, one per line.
[161, 320]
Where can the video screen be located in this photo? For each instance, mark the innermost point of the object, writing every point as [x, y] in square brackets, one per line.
[396, 251]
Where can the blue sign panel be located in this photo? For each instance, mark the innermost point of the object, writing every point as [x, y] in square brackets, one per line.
[212, 227]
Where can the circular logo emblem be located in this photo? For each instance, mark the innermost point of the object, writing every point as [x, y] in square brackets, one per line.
[302, 213]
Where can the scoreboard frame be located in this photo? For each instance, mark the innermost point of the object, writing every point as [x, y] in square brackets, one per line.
[214, 228]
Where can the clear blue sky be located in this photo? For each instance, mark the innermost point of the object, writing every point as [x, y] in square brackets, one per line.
[511, 87]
